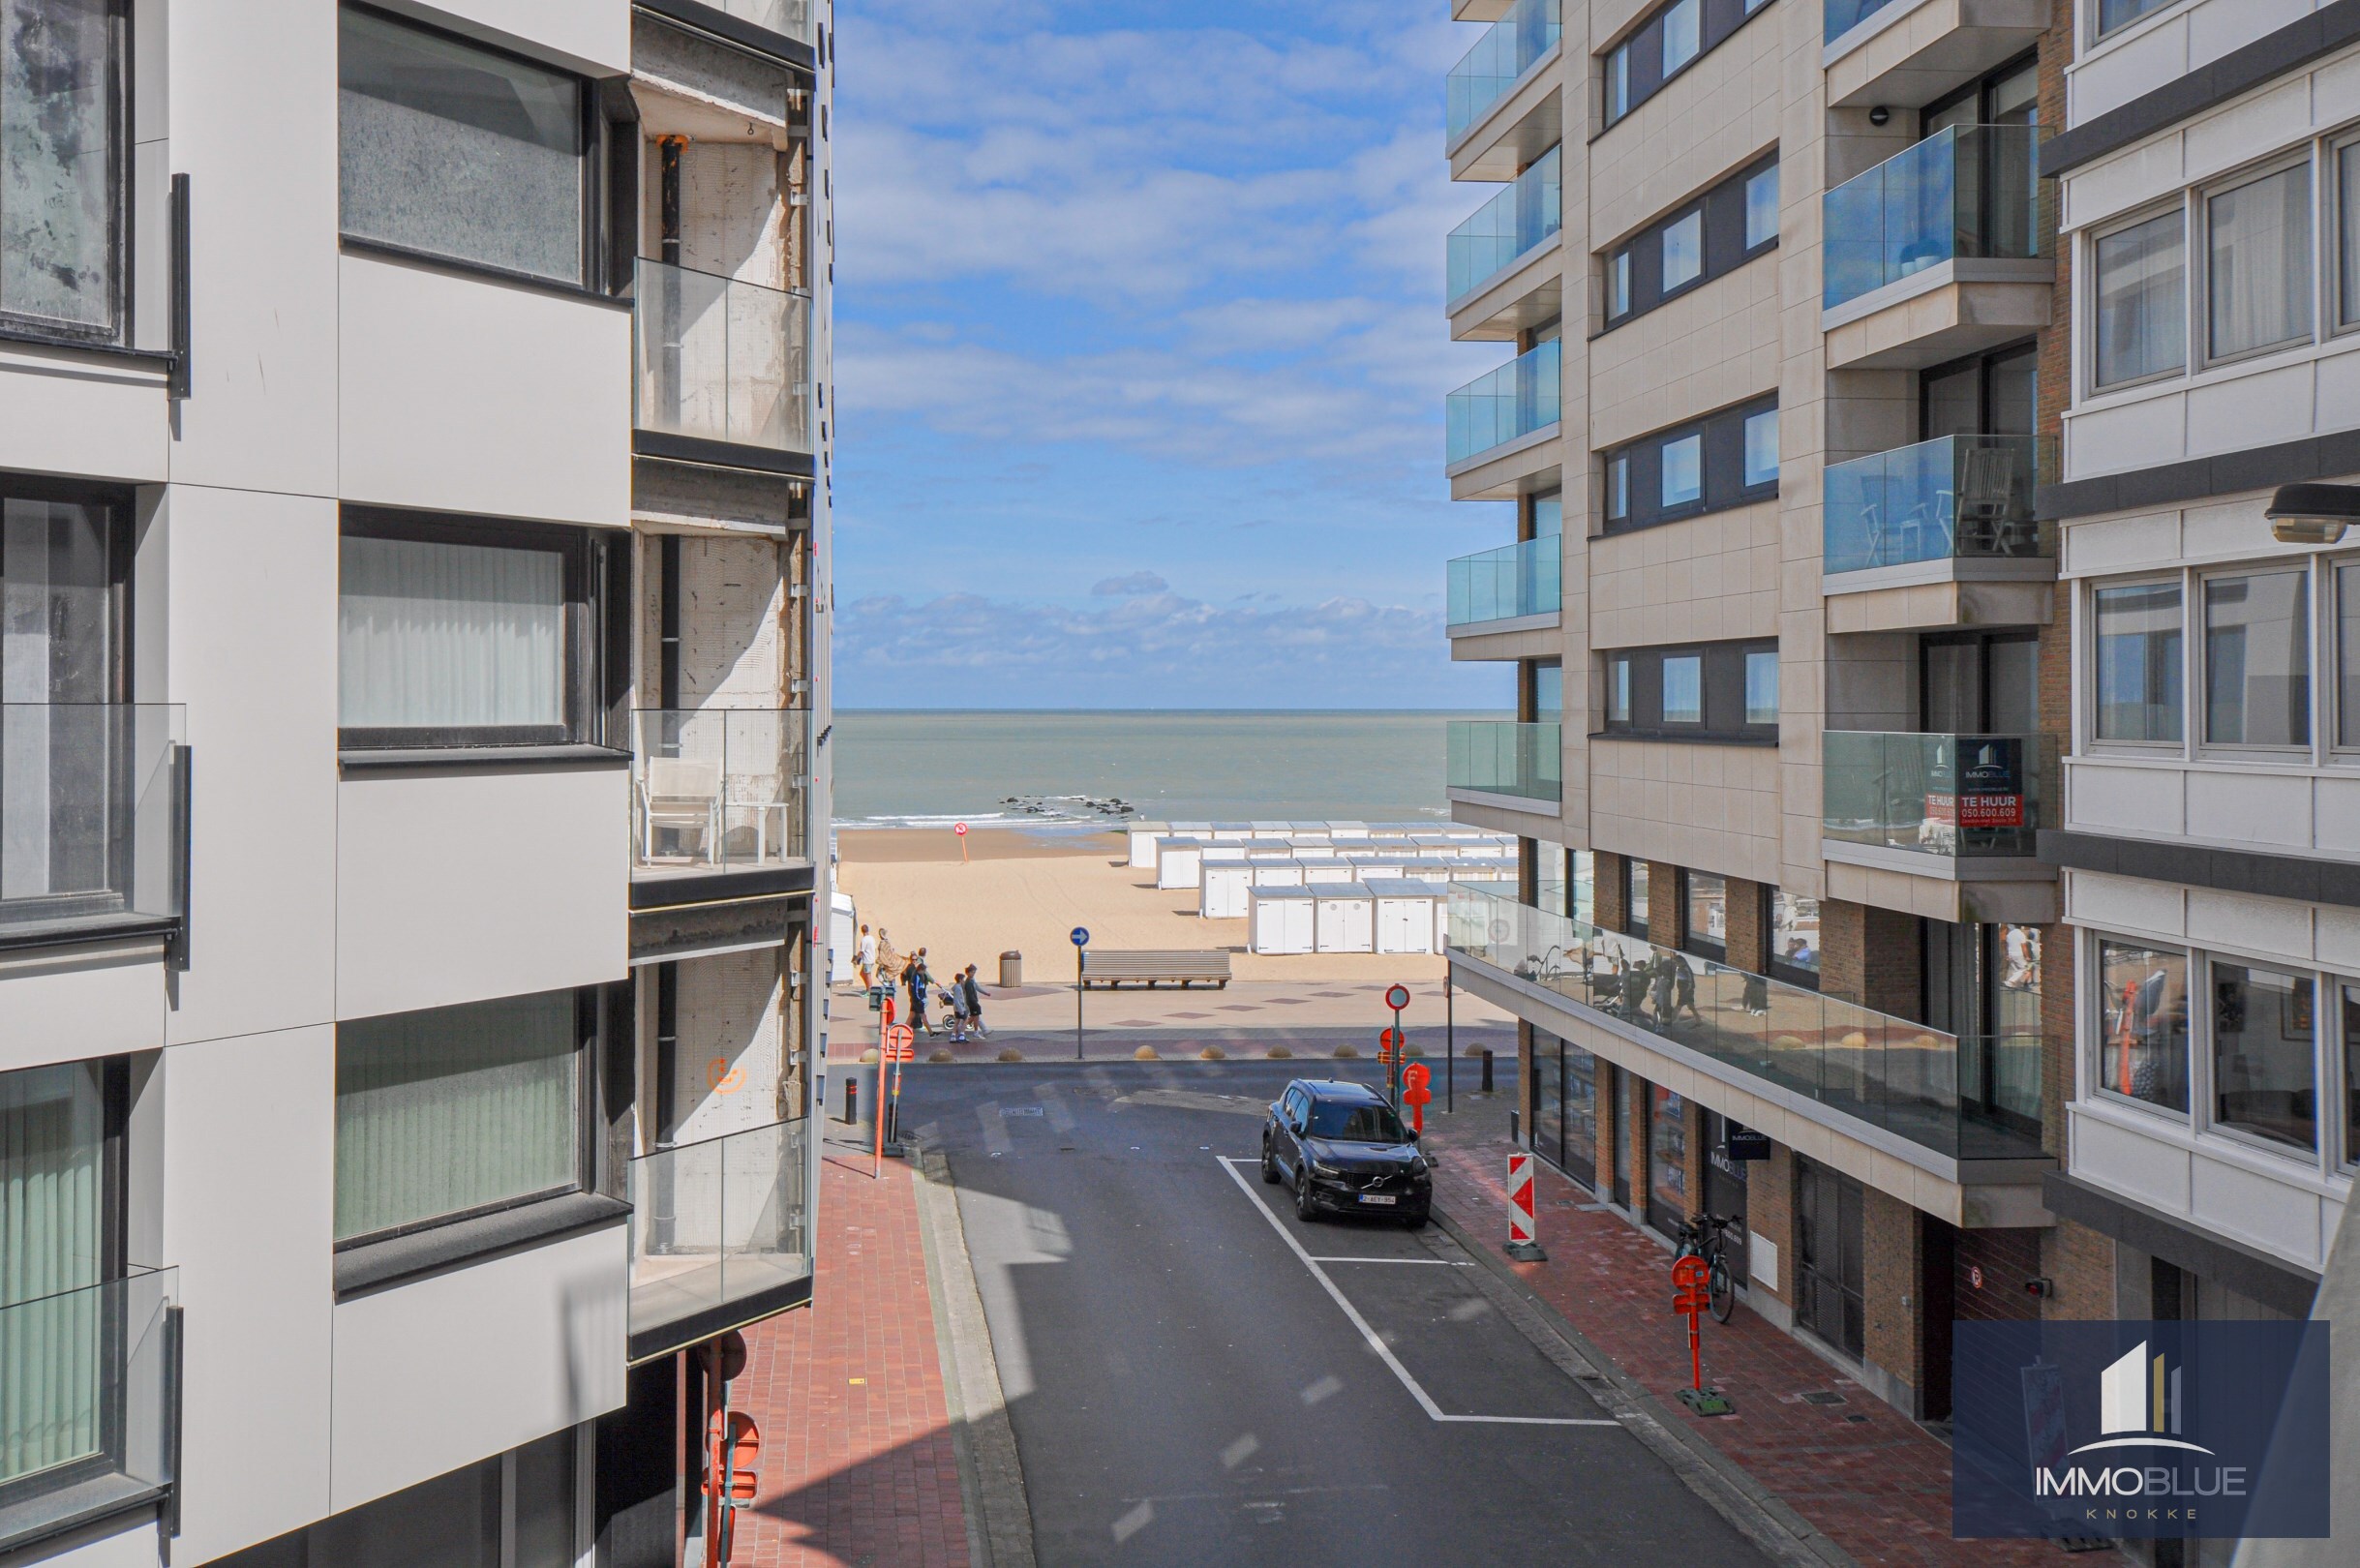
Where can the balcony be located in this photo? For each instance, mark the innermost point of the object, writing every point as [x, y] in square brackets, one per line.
[1504, 231]
[1900, 1078]
[90, 1418]
[94, 818]
[1515, 583]
[1938, 252]
[1937, 535]
[788, 18]
[1494, 757]
[1907, 53]
[1946, 800]
[1508, 48]
[718, 1236]
[723, 370]
[1520, 399]
[718, 790]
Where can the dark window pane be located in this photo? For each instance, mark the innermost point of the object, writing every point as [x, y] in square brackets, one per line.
[2143, 1009]
[2264, 1080]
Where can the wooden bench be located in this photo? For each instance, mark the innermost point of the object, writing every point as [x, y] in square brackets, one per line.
[1109, 970]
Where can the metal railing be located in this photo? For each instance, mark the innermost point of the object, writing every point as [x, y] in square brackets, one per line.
[1501, 757]
[1962, 797]
[789, 19]
[90, 1390]
[721, 360]
[1525, 579]
[1528, 212]
[1499, 58]
[93, 813]
[1959, 498]
[1522, 396]
[1966, 191]
[1888, 1071]
[718, 786]
[717, 1226]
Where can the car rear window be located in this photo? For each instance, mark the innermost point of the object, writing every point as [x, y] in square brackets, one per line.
[1350, 1123]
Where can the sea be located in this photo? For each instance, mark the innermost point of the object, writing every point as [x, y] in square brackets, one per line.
[912, 767]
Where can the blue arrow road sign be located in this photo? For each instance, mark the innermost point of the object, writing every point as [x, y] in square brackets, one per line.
[1081, 936]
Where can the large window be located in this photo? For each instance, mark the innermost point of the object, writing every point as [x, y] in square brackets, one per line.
[62, 168]
[2142, 326]
[460, 633]
[1794, 938]
[2142, 1016]
[451, 149]
[2139, 662]
[1672, 37]
[1714, 691]
[2258, 266]
[2265, 1080]
[1724, 460]
[2257, 659]
[1699, 240]
[1705, 931]
[458, 1110]
[514, 1510]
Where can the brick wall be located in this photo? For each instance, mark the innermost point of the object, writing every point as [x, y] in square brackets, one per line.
[1870, 957]
[2008, 1258]
[2080, 1263]
[1891, 1295]
[1666, 904]
[1770, 1212]
[1748, 930]
[1608, 891]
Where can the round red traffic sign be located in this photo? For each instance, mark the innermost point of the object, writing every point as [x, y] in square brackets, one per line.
[1397, 996]
[960, 830]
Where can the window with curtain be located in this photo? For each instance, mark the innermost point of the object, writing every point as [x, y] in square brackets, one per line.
[453, 149]
[62, 168]
[456, 1110]
[2142, 326]
[53, 1248]
[2139, 662]
[2258, 264]
[447, 641]
[2257, 659]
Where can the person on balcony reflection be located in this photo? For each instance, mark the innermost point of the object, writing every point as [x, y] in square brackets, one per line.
[1659, 986]
[1683, 989]
[1634, 987]
[974, 994]
[1757, 995]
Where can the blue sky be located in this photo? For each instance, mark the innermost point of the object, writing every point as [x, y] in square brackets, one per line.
[1140, 355]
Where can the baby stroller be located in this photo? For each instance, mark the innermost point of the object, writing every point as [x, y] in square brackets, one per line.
[954, 1003]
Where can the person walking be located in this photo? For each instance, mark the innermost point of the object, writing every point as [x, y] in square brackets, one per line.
[954, 1003]
[915, 979]
[866, 965]
[889, 964]
[975, 994]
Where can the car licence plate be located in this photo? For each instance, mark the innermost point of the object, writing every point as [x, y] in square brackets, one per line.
[1373, 1197]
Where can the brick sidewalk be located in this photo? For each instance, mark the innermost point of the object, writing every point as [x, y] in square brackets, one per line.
[1874, 1482]
[856, 1464]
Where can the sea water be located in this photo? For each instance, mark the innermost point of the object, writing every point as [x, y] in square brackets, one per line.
[917, 768]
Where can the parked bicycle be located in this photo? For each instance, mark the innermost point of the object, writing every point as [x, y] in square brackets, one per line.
[1706, 1236]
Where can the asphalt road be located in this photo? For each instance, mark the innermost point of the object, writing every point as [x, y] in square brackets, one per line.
[1194, 1375]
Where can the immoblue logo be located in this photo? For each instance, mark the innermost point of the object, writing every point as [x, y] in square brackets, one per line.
[2186, 1429]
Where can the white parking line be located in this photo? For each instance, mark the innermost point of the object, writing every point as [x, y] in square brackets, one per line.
[1436, 1262]
[1368, 1335]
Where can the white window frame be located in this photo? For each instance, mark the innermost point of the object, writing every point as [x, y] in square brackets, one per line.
[2198, 270]
[2208, 1123]
[2092, 388]
[2087, 704]
[2193, 642]
[2330, 204]
[2090, 1004]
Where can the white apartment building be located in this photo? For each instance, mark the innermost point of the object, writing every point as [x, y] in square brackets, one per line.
[2209, 178]
[413, 709]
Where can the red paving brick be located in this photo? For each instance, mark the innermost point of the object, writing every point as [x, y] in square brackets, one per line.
[855, 1473]
[1878, 1487]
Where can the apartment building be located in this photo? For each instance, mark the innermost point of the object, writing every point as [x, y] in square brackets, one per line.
[1781, 287]
[414, 705]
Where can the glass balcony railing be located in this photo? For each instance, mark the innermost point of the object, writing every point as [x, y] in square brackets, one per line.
[719, 1235]
[1524, 579]
[93, 814]
[789, 19]
[1499, 756]
[1503, 54]
[1962, 797]
[718, 787]
[89, 1396]
[1843, 16]
[1962, 497]
[1519, 218]
[1890, 1072]
[722, 360]
[1966, 192]
[1519, 397]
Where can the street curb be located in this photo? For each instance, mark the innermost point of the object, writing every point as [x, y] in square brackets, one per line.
[1754, 1510]
[990, 1472]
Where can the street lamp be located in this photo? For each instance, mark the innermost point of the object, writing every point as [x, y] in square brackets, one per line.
[2313, 514]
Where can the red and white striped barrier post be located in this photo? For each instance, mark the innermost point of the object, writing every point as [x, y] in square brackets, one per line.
[1522, 1245]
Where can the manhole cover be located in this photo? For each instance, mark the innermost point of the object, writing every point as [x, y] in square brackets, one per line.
[1824, 1397]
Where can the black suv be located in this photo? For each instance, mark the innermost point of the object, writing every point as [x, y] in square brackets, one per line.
[1345, 1151]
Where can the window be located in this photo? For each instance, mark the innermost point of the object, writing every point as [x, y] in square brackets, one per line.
[2351, 1075]
[1683, 470]
[1705, 467]
[2347, 240]
[1762, 208]
[1682, 40]
[2264, 1076]
[1762, 686]
[460, 633]
[1549, 514]
[1635, 903]
[1617, 83]
[62, 170]
[514, 1510]
[2114, 13]
[2142, 1039]
[1668, 1158]
[457, 1110]
[2347, 655]
[2257, 659]
[1761, 448]
[2257, 267]
[455, 150]
[1549, 692]
[2142, 328]
[1705, 238]
[1793, 939]
[2138, 663]
[1720, 691]
[1707, 926]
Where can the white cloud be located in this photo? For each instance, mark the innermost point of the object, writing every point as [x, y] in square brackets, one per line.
[1129, 585]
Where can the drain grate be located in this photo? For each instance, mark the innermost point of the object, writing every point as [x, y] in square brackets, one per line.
[1862, 1420]
[1824, 1395]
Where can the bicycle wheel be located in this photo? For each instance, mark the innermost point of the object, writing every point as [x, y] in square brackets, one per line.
[1721, 1292]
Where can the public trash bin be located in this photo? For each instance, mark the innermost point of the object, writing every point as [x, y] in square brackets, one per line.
[1011, 969]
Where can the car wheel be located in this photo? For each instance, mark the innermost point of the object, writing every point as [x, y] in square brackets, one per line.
[1304, 1209]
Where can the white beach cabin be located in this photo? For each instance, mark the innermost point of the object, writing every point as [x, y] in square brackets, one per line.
[1279, 920]
[1179, 863]
[1344, 917]
[1410, 916]
[1223, 893]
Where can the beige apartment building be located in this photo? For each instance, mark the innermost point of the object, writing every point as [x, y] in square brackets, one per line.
[1778, 278]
